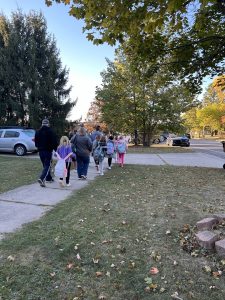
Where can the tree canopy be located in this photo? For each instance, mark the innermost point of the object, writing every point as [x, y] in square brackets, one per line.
[130, 100]
[189, 36]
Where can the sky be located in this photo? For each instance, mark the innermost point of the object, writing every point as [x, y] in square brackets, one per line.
[84, 60]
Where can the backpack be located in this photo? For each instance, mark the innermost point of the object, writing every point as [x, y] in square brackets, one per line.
[98, 153]
[121, 147]
[110, 148]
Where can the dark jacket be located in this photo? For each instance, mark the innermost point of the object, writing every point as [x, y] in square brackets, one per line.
[83, 144]
[45, 139]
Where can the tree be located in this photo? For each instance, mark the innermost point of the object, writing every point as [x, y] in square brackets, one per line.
[131, 101]
[33, 83]
[186, 35]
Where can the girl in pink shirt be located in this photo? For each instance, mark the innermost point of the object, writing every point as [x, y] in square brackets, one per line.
[121, 149]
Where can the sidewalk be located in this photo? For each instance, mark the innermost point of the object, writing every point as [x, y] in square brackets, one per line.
[30, 202]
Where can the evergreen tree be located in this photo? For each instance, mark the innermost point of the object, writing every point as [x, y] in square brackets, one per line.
[33, 83]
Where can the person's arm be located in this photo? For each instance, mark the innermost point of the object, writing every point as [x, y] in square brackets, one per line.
[89, 144]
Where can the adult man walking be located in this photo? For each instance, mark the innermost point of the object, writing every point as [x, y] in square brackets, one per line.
[46, 142]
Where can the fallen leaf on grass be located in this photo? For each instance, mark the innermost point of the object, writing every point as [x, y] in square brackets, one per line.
[76, 247]
[69, 266]
[98, 274]
[102, 297]
[207, 269]
[148, 280]
[153, 286]
[106, 241]
[175, 296]
[95, 260]
[154, 271]
[217, 274]
[155, 255]
[78, 256]
[11, 258]
[52, 274]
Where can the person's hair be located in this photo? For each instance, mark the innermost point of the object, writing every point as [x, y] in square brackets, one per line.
[64, 139]
[121, 137]
[97, 127]
[82, 131]
[97, 137]
[111, 137]
[102, 139]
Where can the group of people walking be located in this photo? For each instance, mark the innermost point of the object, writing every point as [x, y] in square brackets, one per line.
[77, 149]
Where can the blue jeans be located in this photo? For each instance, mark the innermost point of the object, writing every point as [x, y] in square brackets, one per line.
[46, 157]
[82, 165]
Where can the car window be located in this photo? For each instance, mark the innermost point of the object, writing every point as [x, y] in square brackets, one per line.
[11, 134]
[30, 133]
[1, 131]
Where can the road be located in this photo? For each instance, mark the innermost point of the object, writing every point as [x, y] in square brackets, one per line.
[212, 147]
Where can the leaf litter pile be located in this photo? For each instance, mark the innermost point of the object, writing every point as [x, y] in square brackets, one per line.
[127, 235]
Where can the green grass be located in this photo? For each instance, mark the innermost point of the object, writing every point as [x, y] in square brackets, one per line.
[17, 171]
[159, 148]
[119, 226]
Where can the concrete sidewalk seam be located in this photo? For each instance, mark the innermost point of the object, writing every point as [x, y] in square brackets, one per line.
[27, 203]
[163, 160]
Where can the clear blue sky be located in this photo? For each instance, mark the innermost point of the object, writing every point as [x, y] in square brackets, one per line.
[84, 59]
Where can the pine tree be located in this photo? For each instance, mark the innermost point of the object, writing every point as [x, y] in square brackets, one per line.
[33, 82]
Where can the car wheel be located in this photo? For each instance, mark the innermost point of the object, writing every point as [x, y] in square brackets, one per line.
[20, 150]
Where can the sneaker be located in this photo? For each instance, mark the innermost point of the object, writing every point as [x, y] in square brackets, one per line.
[96, 167]
[61, 183]
[83, 177]
[42, 183]
[68, 184]
[49, 181]
[101, 174]
[109, 168]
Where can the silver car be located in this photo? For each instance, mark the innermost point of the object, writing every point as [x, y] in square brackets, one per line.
[18, 140]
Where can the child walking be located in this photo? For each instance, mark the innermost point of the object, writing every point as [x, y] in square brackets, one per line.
[64, 150]
[110, 151]
[95, 157]
[103, 146]
[121, 150]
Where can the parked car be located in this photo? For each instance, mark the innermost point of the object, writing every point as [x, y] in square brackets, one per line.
[188, 135]
[18, 140]
[182, 141]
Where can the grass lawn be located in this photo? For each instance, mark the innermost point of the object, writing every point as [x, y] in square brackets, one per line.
[102, 242]
[17, 171]
[158, 148]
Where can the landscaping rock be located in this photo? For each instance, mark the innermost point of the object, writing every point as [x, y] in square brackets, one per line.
[206, 223]
[207, 239]
[220, 248]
